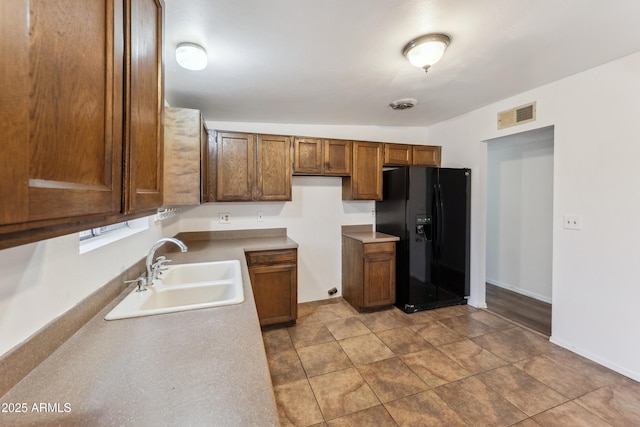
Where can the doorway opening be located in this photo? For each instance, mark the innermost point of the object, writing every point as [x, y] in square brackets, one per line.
[520, 227]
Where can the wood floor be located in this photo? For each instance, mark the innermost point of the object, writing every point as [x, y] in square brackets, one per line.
[529, 312]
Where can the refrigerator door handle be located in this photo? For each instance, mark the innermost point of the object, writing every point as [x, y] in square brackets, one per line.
[440, 221]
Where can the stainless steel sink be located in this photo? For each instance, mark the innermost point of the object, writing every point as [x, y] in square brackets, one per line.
[185, 287]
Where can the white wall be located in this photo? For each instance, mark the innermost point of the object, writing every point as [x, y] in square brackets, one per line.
[40, 281]
[520, 213]
[596, 175]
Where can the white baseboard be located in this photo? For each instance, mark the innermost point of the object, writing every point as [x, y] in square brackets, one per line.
[599, 360]
[519, 290]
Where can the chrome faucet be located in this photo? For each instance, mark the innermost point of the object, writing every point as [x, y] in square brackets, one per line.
[151, 267]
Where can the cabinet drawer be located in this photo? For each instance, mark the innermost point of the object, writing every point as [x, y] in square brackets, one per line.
[378, 248]
[271, 257]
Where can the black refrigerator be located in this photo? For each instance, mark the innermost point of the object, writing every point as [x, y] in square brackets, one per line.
[428, 209]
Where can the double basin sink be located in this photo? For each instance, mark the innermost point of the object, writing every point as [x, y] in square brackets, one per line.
[185, 287]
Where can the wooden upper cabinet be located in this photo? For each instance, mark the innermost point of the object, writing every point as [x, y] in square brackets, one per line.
[315, 156]
[411, 155]
[365, 182]
[252, 167]
[308, 156]
[427, 155]
[337, 157]
[61, 90]
[398, 155]
[235, 166]
[185, 137]
[144, 106]
[273, 168]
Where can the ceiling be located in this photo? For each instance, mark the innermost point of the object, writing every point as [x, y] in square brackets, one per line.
[340, 61]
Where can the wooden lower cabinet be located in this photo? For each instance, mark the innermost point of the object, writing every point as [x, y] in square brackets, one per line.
[368, 273]
[274, 280]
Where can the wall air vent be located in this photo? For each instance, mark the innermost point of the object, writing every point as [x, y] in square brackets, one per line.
[517, 116]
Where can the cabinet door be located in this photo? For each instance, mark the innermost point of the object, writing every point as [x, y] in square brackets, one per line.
[182, 149]
[379, 274]
[426, 155]
[308, 156]
[337, 157]
[274, 293]
[274, 281]
[273, 168]
[398, 155]
[235, 166]
[61, 85]
[144, 106]
[365, 182]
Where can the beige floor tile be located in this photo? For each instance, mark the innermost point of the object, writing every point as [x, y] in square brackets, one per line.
[337, 311]
[342, 392]
[426, 316]
[471, 356]
[531, 340]
[297, 405]
[437, 334]
[569, 414]
[522, 390]
[560, 377]
[618, 404]
[309, 334]
[376, 416]
[434, 367]
[529, 422]
[391, 379]
[365, 349]
[276, 340]
[285, 367]
[490, 319]
[347, 328]
[506, 346]
[323, 358]
[467, 326]
[403, 341]
[381, 321]
[423, 409]
[401, 316]
[587, 367]
[478, 404]
[422, 366]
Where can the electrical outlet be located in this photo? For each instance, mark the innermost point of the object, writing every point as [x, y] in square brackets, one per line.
[224, 218]
[572, 222]
[260, 216]
[373, 213]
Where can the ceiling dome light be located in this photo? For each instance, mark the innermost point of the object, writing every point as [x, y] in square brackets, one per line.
[191, 56]
[426, 50]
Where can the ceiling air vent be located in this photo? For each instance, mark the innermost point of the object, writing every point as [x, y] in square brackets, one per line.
[517, 116]
[403, 104]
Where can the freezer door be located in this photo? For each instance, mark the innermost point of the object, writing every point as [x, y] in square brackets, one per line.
[453, 196]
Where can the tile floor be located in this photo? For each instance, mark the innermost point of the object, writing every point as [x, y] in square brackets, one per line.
[455, 366]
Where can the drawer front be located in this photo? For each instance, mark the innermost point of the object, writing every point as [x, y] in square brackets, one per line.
[271, 257]
[378, 248]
